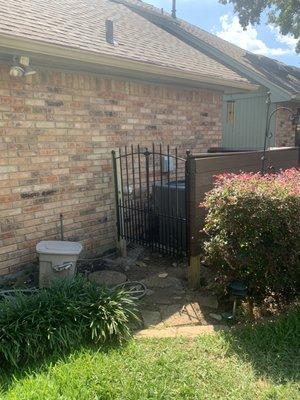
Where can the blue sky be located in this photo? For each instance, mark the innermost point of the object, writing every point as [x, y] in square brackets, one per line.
[219, 19]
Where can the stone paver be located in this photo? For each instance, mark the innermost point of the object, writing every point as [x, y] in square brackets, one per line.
[182, 331]
[169, 308]
[163, 296]
[209, 301]
[172, 315]
[177, 315]
[109, 278]
[154, 281]
[205, 300]
[217, 317]
[151, 318]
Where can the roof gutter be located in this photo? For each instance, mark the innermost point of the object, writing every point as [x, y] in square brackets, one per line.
[23, 45]
[172, 26]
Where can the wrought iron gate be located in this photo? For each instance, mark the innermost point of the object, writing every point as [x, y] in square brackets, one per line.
[152, 205]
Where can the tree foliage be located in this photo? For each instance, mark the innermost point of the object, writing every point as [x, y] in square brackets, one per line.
[284, 14]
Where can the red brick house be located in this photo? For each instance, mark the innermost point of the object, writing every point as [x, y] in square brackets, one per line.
[98, 85]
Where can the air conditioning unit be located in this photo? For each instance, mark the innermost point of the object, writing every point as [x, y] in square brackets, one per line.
[169, 210]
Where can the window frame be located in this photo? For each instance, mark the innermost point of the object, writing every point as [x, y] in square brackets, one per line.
[230, 111]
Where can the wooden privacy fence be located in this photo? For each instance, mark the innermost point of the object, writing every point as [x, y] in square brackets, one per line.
[202, 169]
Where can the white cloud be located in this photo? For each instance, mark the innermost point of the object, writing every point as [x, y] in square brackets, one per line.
[248, 39]
[288, 40]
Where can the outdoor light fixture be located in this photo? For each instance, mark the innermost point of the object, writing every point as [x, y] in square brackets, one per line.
[268, 134]
[16, 70]
[21, 67]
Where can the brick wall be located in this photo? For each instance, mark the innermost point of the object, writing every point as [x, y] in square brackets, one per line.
[285, 129]
[57, 129]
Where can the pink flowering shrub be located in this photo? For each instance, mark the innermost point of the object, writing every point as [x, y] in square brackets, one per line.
[253, 231]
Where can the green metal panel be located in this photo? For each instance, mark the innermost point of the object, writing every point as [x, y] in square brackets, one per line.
[248, 128]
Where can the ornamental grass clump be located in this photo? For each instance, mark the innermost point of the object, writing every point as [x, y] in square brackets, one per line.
[253, 231]
[60, 318]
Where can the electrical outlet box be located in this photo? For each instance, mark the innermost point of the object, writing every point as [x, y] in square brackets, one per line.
[167, 164]
[24, 61]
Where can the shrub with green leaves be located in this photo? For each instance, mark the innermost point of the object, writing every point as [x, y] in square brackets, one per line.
[67, 314]
[253, 231]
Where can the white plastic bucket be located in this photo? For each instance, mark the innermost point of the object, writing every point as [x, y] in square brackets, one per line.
[57, 259]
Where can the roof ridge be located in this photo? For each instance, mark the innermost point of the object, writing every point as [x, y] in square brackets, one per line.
[283, 75]
[156, 10]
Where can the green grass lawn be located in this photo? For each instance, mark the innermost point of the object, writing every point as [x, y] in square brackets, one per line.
[260, 362]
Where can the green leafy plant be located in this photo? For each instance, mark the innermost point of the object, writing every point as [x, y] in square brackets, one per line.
[67, 314]
[283, 14]
[253, 231]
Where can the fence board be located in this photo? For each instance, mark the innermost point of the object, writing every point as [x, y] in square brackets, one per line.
[239, 161]
[204, 167]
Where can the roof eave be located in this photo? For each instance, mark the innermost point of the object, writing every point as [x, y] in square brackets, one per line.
[21, 44]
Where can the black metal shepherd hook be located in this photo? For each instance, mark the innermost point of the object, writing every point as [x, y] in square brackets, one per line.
[268, 134]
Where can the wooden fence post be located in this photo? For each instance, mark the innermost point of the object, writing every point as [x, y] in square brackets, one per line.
[193, 260]
[194, 272]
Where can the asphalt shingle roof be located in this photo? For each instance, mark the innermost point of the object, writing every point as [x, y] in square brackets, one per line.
[285, 76]
[80, 24]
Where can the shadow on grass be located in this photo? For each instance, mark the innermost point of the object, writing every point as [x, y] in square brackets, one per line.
[273, 348]
[9, 374]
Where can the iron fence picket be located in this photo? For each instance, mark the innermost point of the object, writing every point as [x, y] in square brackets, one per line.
[150, 212]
